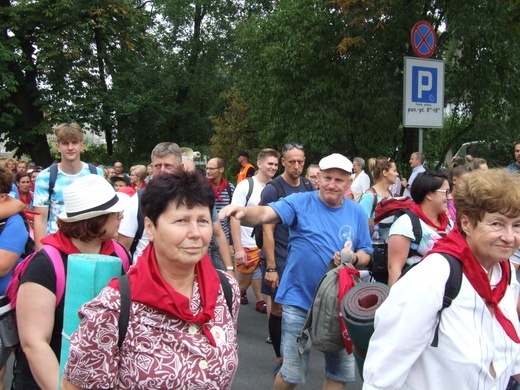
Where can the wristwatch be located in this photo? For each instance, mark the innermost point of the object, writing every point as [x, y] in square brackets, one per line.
[229, 268]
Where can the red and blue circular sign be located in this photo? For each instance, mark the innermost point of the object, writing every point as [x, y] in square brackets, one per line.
[424, 39]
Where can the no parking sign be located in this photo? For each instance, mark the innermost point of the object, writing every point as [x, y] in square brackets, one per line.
[423, 81]
[424, 39]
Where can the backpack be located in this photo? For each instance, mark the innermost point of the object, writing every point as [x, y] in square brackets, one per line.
[124, 291]
[29, 244]
[386, 213]
[323, 327]
[258, 232]
[55, 257]
[53, 175]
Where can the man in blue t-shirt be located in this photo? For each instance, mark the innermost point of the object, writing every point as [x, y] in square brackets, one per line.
[69, 143]
[321, 223]
[515, 166]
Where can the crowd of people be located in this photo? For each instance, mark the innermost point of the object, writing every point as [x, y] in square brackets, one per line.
[188, 233]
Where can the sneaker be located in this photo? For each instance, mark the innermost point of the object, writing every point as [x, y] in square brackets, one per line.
[261, 307]
[268, 340]
[244, 300]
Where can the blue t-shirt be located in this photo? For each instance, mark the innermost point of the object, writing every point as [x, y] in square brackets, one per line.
[56, 206]
[316, 231]
[281, 233]
[13, 239]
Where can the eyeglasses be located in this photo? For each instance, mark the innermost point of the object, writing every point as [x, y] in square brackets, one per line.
[211, 169]
[292, 145]
[447, 192]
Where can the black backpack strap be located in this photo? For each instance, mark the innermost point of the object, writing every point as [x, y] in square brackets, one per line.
[308, 185]
[451, 290]
[92, 169]
[251, 184]
[140, 223]
[226, 288]
[124, 313]
[276, 182]
[53, 175]
[416, 226]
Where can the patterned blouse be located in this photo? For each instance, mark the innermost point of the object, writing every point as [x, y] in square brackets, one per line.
[158, 351]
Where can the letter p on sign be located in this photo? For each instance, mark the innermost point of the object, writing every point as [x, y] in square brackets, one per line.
[424, 85]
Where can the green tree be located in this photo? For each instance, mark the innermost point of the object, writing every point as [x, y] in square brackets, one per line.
[60, 58]
[331, 74]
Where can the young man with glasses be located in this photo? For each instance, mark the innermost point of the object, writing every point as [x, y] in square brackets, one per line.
[223, 194]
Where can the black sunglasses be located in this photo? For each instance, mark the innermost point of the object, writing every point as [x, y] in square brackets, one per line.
[291, 146]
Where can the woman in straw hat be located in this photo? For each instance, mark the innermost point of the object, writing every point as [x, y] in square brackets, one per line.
[88, 225]
[181, 332]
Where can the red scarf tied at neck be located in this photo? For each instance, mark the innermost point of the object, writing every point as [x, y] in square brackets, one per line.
[455, 244]
[443, 219]
[219, 190]
[148, 287]
[65, 245]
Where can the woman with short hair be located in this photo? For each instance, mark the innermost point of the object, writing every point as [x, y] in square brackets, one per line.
[430, 193]
[179, 322]
[478, 344]
[138, 174]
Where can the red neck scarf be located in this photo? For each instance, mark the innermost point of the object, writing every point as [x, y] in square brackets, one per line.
[455, 245]
[25, 199]
[219, 190]
[148, 287]
[65, 245]
[443, 219]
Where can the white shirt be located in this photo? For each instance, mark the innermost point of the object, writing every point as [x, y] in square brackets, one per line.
[470, 338]
[128, 226]
[414, 174]
[360, 184]
[239, 198]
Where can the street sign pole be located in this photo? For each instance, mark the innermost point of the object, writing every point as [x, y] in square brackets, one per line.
[423, 83]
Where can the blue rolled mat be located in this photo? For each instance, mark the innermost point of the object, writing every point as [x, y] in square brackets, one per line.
[358, 310]
[87, 275]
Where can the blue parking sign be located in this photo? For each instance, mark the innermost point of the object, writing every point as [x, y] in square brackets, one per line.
[423, 97]
[424, 84]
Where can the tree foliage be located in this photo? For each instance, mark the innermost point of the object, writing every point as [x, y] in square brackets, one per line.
[331, 74]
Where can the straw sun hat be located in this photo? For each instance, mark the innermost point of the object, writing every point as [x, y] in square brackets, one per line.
[88, 197]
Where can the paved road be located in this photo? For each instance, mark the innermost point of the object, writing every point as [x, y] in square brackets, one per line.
[255, 369]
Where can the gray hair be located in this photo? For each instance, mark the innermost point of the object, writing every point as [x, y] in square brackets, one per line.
[164, 149]
[359, 161]
[419, 156]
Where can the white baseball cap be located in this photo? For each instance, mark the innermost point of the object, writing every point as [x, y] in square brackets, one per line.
[336, 160]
